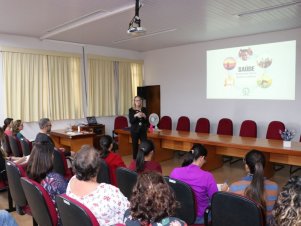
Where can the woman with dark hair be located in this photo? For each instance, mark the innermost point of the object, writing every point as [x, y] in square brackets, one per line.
[112, 159]
[254, 185]
[40, 166]
[139, 123]
[7, 127]
[152, 202]
[105, 201]
[144, 161]
[202, 182]
[287, 209]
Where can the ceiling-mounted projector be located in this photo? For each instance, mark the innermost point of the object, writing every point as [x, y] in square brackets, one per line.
[135, 28]
[136, 31]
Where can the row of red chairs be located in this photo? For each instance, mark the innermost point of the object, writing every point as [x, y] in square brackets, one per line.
[248, 128]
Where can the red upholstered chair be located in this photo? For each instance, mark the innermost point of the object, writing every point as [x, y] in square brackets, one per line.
[248, 128]
[165, 123]
[25, 146]
[183, 124]
[73, 212]
[225, 127]
[120, 122]
[185, 196]
[229, 209]
[15, 146]
[6, 145]
[42, 208]
[60, 164]
[273, 130]
[14, 174]
[202, 126]
[273, 133]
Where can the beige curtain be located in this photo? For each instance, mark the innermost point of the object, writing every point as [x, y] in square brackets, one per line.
[41, 85]
[129, 77]
[65, 88]
[101, 87]
[26, 85]
[137, 77]
[125, 94]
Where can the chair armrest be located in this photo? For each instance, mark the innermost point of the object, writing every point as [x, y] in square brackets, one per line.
[206, 215]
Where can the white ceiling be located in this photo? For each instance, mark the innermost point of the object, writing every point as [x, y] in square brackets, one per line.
[168, 22]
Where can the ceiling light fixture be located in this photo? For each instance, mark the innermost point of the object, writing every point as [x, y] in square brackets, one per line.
[135, 28]
[283, 5]
[100, 14]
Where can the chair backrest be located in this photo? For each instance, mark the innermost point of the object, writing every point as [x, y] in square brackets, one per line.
[225, 127]
[248, 128]
[103, 175]
[42, 208]
[185, 196]
[14, 173]
[6, 145]
[165, 123]
[273, 130]
[202, 125]
[73, 212]
[126, 179]
[230, 209]
[120, 122]
[25, 147]
[15, 146]
[183, 124]
[60, 164]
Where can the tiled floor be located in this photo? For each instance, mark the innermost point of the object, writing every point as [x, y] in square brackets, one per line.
[226, 173]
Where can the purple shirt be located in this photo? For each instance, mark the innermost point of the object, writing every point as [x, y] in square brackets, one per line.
[201, 182]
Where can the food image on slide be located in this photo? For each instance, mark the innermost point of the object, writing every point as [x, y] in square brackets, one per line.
[265, 71]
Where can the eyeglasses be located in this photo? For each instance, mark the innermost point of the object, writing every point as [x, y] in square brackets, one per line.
[138, 100]
[49, 125]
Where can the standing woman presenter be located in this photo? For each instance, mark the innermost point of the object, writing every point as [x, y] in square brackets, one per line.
[138, 120]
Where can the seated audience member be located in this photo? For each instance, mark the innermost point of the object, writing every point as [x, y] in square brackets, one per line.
[152, 203]
[254, 185]
[6, 219]
[105, 201]
[44, 135]
[39, 168]
[7, 127]
[144, 157]
[2, 152]
[202, 182]
[287, 209]
[16, 131]
[45, 129]
[112, 159]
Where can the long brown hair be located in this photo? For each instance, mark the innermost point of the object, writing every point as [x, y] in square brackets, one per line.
[40, 162]
[255, 160]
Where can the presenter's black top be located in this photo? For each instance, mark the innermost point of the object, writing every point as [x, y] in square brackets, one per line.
[138, 124]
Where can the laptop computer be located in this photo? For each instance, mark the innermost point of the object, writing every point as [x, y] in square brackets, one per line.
[92, 121]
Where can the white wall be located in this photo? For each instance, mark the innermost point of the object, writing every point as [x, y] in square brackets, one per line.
[30, 129]
[181, 72]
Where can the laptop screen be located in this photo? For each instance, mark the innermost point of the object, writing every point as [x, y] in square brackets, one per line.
[91, 120]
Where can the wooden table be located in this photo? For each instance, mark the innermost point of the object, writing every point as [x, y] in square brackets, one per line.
[73, 140]
[217, 145]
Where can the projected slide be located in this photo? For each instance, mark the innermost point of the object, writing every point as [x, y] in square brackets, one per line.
[264, 71]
